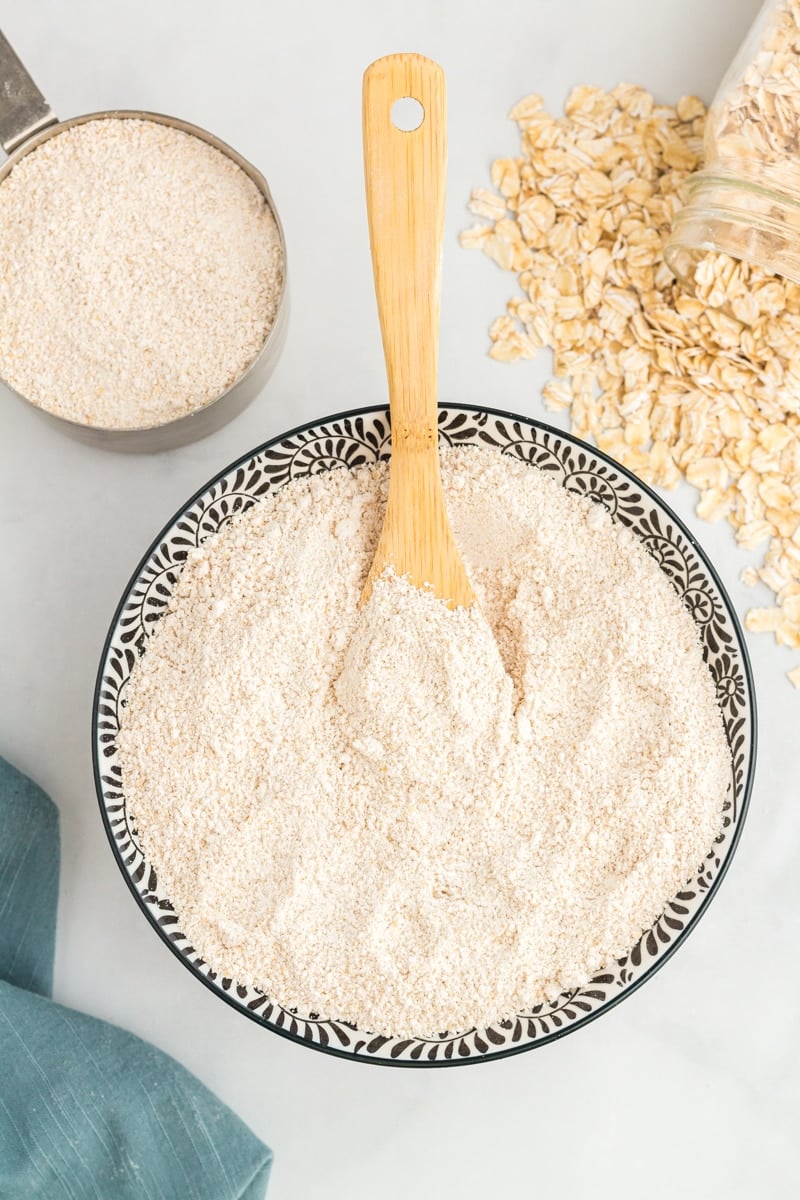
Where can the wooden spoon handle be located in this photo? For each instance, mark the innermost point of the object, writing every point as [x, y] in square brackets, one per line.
[405, 183]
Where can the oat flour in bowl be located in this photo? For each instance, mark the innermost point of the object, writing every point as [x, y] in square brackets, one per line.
[410, 818]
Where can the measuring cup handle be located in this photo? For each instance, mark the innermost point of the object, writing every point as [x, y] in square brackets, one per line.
[23, 108]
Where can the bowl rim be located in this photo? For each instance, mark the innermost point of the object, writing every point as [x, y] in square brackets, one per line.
[613, 1001]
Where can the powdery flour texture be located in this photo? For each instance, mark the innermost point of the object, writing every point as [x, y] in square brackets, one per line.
[140, 273]
[407, 817]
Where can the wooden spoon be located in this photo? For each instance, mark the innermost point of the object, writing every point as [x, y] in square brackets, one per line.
[405, 181]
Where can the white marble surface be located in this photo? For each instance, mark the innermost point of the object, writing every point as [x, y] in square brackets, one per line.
[691, 1086]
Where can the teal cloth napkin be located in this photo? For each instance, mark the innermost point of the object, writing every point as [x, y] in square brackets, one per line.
[88, 1111]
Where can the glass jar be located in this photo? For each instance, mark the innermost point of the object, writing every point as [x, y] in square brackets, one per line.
[746, 200]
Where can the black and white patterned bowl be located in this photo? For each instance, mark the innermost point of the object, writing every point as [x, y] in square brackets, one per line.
[350, 440]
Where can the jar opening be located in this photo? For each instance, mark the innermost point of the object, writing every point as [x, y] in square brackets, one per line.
[734, 217]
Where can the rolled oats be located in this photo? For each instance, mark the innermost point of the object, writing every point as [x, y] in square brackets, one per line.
[757, 121]
[794, 676]
[702, 384]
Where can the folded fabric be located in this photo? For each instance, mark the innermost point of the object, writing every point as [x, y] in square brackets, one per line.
[87, 1110]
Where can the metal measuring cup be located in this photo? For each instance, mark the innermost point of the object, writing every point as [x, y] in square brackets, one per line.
[27, 120]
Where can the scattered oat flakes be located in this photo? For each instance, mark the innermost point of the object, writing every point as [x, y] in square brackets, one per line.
[702, 384]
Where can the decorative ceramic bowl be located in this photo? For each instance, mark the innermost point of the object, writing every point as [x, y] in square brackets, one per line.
[349, 441]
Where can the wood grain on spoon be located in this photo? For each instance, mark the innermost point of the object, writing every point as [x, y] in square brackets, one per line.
[405, 184]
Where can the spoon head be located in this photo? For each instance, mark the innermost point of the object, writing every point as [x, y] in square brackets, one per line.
[416, 540]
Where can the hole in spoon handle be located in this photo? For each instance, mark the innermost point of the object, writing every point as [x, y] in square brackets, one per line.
[407, 114]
